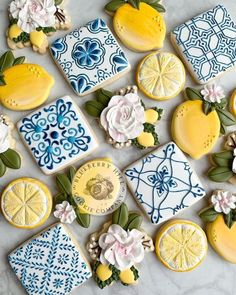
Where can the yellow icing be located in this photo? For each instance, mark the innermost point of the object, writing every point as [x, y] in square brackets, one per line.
[181, 245]
[27, 87]
[151, 116]
[161, 75]
[233, 103]
[103, 272]
[37, 38]
[146, 139]
[193, 131]
[140, 29]
[127, 276]
[222, 239]
[14, 32]
[26, 203]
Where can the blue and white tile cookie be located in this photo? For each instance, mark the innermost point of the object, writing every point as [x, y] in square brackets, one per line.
[57, 135]
[50, 263]
[90, 57]
[207, 43]
[164, 183]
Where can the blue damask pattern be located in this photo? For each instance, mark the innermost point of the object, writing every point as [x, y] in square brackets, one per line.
[57, 134]
[208, 43]
[86, 53]
[50, 264]
[164, 183]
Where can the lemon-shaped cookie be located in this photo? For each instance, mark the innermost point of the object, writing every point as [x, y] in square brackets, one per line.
[140, 29]
[233, 103]
[26, 203]
[194, 132]
[27, 87]
[161, 75]
[222, 238]
[181, 245]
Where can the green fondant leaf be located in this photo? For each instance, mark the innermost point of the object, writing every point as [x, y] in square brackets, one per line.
[11, 159]
[58, 2]
[207, 107]
[103, 96]
[6, 61]
[63, 183]
[222, 129]
[61, 197]
[193, 94]
[71, 200]
[220, 174]
[94, 108]
[134, 3]
[2, 81]
[208, 215]
[134, 221]
[223, 159]
[228, 218]
[2, 168]
[222, 104]
[71, 173]
[226, 117]
[121, 215]
[19, 60]
[82, 218]
[113, 5]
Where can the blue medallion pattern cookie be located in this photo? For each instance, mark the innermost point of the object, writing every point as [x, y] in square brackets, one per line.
[50, 263]
[207, 43]
[90, 57]
[164, 183]
[57, 135]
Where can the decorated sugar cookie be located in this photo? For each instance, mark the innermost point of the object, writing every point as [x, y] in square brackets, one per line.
[32, 21]
[139, 24]
[51, 261]
[181, 245]
[221, 228]
[90, 57]
[118, 248]
[57, 135]
[198, 122]
[161, 75]
[9, 158]
[125, 118]
[233, 103]
[15, 78]
[206, 43]
[26, 203]
[163, 183]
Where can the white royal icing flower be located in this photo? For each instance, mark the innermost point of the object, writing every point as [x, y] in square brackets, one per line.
[121, 248]
[124, 117]
[213, 93]
[32, 14]
[223, 201]
[65, 212]
[4, 137]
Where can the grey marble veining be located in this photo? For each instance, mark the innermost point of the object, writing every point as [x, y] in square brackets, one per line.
[215, 276]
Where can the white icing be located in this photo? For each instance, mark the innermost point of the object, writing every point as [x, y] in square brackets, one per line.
[223, 201]
[213, 93]
[65, 212]
[4, 137]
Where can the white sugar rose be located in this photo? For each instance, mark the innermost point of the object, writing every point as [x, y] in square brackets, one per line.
[124, 117]
[15, 7]
[121, 248]
[4, 137]
[65, 212]
[223, 201]
[213, 93]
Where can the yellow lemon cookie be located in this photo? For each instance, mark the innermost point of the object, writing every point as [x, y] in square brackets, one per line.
[103, 272]
[140, 29]
[181, 245]
[194, 132]
[233, 103]
[222, 238]
[26, 203]
[161, 75]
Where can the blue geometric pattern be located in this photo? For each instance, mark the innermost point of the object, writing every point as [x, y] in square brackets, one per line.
[208, 43]
[50, 264]
[57, 135]
[164, 183]
[89, 56]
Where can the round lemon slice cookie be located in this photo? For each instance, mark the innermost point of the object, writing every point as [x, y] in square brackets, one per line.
[26, 203]
[161, 75]
[181, 245]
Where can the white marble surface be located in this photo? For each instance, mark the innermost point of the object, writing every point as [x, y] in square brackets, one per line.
[215, 276]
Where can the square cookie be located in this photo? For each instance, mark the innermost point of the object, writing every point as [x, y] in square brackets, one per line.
[57, 135]
[207, 44]
[164, 183]
[90, 57]
[50, 263]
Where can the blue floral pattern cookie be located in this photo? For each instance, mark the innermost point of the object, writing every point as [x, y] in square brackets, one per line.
[164, 183]
[50, 263]
[57, 135]
[207, 43]
[89, 57]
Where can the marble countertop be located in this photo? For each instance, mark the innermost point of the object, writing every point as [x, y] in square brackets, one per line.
[214, 276]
